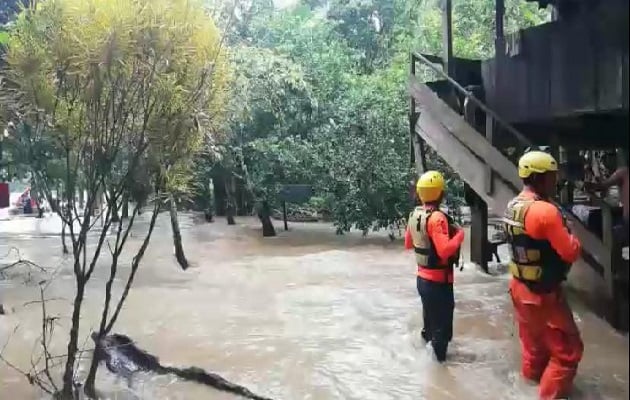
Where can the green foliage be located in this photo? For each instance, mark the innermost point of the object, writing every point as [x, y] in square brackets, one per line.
[4, 38]
[9, 8]
[125, 93]
[325, 102]
[131, 76]
[473, 25]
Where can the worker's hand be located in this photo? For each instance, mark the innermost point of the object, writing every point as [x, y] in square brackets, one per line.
[569, 224]
[459, 232]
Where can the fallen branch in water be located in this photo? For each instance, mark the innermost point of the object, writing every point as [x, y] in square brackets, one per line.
[122, 357]
[21, 262]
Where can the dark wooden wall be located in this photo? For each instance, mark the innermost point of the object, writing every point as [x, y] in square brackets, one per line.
[562, 68]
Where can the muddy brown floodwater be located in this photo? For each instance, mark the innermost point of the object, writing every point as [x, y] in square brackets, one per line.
[305, 315]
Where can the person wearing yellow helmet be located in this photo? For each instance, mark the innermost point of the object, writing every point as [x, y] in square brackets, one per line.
[542, 251]
[435, 241]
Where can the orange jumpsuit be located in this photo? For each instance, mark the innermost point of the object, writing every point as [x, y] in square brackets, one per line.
[550, 340]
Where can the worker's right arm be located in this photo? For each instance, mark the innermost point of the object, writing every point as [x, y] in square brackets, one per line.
[545, 222]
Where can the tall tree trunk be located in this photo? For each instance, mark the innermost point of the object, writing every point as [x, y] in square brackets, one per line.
[241, 203]
[81, 197]
[114, 207]
[265, 218]
[68, 376]
[177, 236]
[64, 248]
[38, 197]
[219, 192]
[207, 201]
[125, 206]
[231, 204]
[67, 216]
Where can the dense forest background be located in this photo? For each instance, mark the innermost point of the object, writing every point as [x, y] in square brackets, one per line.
[318, 97]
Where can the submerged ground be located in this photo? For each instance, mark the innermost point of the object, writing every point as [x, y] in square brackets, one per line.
[305, 315]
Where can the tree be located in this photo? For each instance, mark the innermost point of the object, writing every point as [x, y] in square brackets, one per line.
[270, 102]
[347, 132]
[356, 137]
[9, 8]
[94, 77]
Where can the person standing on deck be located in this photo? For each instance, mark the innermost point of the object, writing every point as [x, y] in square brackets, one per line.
[542, 251]
[618, 178]
[436, 242]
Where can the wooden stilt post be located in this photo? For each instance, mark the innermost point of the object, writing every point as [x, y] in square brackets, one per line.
[609, 242]
[478, 207]
[447, 36]
[499, 12]
[416, 144]
[478, 228]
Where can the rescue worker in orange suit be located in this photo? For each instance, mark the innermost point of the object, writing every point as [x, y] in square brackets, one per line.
[542, 251]
[436, 242]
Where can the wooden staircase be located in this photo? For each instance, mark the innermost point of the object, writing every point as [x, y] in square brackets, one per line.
[494, 178]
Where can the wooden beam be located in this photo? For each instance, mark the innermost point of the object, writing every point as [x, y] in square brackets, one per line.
[469, 167]
[456, 125]
[499, 12]
[609, 242]
[447, 36]
[478, 229]
[412, 114]
[490, 127]
[419, 153]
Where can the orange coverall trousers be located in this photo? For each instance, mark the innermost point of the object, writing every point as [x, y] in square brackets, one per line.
[551, 347]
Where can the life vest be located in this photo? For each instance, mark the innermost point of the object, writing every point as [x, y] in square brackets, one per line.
[426, 255]
[533, 261]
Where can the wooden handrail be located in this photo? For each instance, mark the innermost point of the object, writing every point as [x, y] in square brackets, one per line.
[469, 95]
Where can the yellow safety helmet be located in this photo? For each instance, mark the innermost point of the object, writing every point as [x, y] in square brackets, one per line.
[430, 186]
[536, 162]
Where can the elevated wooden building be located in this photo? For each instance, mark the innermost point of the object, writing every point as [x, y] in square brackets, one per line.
[563, 84]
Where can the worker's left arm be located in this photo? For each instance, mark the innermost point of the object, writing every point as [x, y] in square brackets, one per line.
[445, 247]
[549, 225]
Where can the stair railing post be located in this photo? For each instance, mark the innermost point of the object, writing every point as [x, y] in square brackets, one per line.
[416, 144]
[609, 263]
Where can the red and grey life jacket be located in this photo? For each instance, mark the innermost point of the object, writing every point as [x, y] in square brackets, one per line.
[426, 256]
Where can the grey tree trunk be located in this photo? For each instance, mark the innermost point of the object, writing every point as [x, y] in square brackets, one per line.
[231, 203]
[125, 207]
[114, 207]
[265, 218]
[177, 236]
